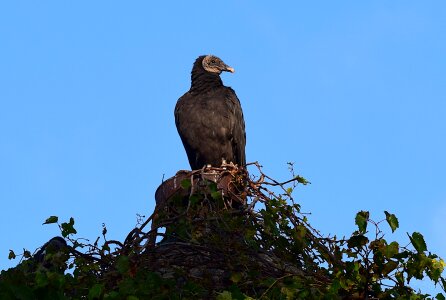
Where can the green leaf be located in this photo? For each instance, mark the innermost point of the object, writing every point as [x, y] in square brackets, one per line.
[236, 293]
[236, 277]
[392, 249]
[389, 267]
[399, 276]
[335, 285]
[392, 220]
[402, 255]
[302, 180]
[440, 296]
[50, 220]
[26, 253]
[418, 242]
[11, 255]
[216, 195]
[112, 295]
[212, 186]
[185, 184]
[95, 291]
[224, 296]
[21, 292]
[357, 241]
[194, 199]
[41, 279]
[68, 228]
[361, 220]
[123, 264]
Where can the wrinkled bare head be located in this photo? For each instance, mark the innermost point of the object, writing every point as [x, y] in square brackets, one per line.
[213, 64]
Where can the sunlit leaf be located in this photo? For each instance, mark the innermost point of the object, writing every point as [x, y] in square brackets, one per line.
[392, 249]
[224, 296]
[361, 220]
[418, 242]
[302, 180]
[392, 221]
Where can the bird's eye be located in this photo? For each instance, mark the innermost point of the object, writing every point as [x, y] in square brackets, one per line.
[213, 61]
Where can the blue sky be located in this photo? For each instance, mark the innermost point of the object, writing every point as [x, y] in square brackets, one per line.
[352, 92]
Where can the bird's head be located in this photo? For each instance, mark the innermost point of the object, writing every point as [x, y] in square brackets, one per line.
[213, 64]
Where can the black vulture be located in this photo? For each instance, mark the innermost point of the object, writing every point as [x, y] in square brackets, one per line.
[209, 117]
[53, 254]
[54, 245]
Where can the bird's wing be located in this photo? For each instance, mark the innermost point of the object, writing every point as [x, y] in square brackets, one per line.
[237, 127]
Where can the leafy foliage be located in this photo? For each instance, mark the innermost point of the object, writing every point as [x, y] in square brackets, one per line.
[245, 238]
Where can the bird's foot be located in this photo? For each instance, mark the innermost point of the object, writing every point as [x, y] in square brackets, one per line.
[229, 165]
[207, 169]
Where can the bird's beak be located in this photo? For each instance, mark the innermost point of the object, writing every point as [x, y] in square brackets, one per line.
[229, 69]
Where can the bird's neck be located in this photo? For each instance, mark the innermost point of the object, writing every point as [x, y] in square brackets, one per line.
[203, 81]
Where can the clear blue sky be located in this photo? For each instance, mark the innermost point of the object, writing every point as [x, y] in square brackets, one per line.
[353, 92]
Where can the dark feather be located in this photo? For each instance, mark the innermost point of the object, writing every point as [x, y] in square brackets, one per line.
[209, 117]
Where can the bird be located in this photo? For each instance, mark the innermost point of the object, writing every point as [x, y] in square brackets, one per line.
[54, 245]
[53, 254]
[209, 117]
